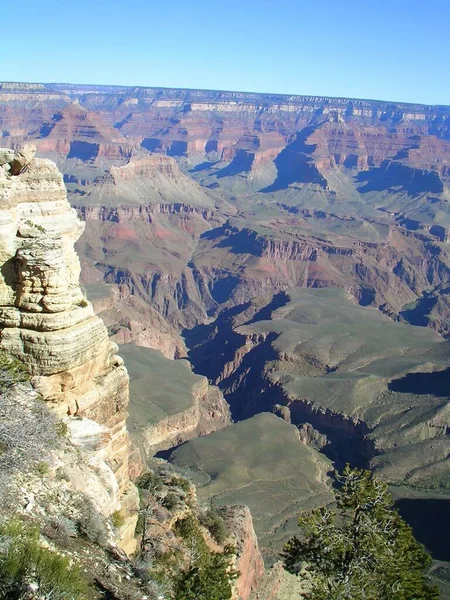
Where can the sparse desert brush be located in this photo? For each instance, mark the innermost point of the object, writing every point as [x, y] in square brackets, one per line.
[92, 525]
[42, 468]
[12, 371]
[209, 575]
[29, 570]
[28, 435]
[150, 481]
[171, 500]
[181, 482]
[35, 225]
[214, 522]
[61, 529]
[62, 428]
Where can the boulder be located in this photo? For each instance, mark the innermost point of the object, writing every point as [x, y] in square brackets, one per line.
[23, 158]
[6, 156]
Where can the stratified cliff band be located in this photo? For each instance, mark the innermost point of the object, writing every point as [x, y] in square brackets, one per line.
[46, 321]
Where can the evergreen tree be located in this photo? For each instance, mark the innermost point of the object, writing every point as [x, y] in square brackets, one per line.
[210, 574]
[211, 580]
[363, 550]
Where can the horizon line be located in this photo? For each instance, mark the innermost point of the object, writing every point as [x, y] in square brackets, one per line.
[151, 87]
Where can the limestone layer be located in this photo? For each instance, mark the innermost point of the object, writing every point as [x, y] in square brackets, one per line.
[45, 318]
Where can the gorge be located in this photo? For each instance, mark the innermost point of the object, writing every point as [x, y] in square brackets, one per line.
[294, 250]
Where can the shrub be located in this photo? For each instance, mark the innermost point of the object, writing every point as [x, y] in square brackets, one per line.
[149, 481]
[170, 501]
[12, 371]
[62, 428]
[36, 225]
[140, 524]
[156, 590]
[188, 529]
[117, 518]
[25, 565]
[42, 468]
[213, 521]
[210, 580]
[27, 436]
[61, 529]
[181, 483]
[92, 525]
[162, 569]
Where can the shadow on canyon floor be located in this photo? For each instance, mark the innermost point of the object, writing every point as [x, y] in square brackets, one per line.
[437, 383]
[429, 520]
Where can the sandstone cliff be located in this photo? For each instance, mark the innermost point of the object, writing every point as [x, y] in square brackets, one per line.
[249, 561]
[47, 322]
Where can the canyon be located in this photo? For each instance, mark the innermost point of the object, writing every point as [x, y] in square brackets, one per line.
[67, 461]
[293, 249]
[202, 192]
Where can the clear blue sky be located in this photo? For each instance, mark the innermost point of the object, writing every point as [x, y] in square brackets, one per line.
[386, 49]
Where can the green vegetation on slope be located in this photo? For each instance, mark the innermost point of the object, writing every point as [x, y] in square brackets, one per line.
[28, 570]
[210, 574]
[12, 371]
[174, 557]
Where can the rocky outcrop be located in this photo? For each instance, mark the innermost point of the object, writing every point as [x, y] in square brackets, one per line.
[249, 561]
[58, 480]
[47, 322]
[209, 412]
[22, 159]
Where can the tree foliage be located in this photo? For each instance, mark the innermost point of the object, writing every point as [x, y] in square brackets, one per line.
[213, 521]
[210, 580]
[363, 550]
[210, 574]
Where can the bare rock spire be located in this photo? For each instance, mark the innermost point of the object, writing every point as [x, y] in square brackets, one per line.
[45, 318]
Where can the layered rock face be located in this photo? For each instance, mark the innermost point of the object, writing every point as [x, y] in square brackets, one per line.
[197, 200]
[169, 404]
[47, 322]
[249, 560]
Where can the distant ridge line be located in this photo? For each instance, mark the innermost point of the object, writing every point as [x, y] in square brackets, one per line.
[211, 95]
